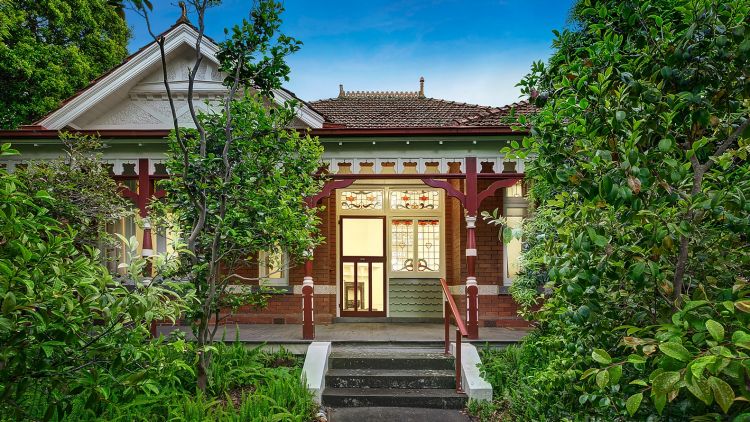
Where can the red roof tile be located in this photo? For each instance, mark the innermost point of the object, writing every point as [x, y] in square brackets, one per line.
[408, 109]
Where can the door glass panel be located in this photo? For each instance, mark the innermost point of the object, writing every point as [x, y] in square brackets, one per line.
[347, 276]
[363, 286]
[362, 236]
[378, 286]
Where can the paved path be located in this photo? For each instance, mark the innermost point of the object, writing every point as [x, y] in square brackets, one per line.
[396, 414]
[364, 332]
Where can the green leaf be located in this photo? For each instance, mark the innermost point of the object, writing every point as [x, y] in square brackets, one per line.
[665, 382]
[664, 145]
[636, 359]
[660, 401]
[723, 393]
[676, 351]
[700, 389]
[602, 379]
[615, 373]
[741, 339]
[601, 356]
[715, 329]
[620, 115]
[633, 403]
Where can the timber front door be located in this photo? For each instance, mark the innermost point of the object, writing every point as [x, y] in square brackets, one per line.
[363, 266]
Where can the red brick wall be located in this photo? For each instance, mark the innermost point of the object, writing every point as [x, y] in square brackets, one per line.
[494, 310]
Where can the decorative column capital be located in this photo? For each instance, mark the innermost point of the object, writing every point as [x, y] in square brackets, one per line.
[471, 281]
[471, 221]
[307, 281]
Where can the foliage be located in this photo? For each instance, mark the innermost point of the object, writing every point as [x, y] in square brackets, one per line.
[67, 329]
[51, 48]
[86, 196]
[240, 176]
[641, 180]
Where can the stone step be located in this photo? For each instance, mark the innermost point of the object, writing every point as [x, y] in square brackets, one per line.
[389, 361]
[389, 378]
[394, 397]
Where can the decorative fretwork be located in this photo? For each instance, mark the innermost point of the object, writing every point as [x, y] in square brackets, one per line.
[402, 245]
[362, 200]
[428, 245]
[415, 199]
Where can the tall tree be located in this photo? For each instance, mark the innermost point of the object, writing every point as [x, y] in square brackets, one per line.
[51, 48]
[240, 176]
[642, 228]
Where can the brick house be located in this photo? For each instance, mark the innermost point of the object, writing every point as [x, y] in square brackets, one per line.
[407, 172]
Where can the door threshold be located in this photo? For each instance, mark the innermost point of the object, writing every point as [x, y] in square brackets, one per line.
[394, 320]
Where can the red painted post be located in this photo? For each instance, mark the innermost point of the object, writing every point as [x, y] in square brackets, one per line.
[308, 323]
[472, 203]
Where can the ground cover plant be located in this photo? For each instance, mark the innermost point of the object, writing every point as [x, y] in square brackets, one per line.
[640, 234]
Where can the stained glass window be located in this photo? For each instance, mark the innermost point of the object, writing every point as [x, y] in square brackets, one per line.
[362, 200]
[402, 245]
[413, 199]
[515, 191]
[428, 245]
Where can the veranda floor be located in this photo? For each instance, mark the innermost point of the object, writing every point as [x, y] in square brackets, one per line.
[355, 332]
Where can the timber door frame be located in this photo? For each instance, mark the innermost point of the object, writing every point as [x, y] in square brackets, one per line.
[362, 259]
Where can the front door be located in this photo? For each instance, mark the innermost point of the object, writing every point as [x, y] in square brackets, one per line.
[363, 266]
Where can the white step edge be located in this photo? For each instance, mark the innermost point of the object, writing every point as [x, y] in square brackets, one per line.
[474, 385]
[315, 368]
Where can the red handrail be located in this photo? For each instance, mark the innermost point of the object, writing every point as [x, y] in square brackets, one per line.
[451, 310]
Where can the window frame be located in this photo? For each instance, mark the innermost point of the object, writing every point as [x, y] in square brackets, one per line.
[402, 214]
[513, 202]
[263, 279]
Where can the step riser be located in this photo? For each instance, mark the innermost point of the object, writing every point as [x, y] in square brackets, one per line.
[390, 382]
[388, 363]
[396, 401]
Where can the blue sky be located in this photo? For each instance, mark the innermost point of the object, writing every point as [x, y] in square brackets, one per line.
[471, 51]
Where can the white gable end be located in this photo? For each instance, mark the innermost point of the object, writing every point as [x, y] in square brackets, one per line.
[133, 96]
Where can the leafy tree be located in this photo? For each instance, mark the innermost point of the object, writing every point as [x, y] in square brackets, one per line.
[86, 196]
[51, 48]
[642, 224]
[67, 329]
[239, 178]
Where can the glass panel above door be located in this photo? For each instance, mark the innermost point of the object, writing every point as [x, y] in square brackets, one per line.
[415, 200]
[362, 237]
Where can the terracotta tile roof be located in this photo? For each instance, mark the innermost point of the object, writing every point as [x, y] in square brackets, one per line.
[497, 116]
[406, 109]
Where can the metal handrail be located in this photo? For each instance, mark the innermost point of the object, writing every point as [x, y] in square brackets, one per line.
[452, 310]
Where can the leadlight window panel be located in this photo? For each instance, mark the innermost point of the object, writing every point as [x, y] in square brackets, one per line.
[363, 199]
[415, 200]
[515, 191]
[402, 245]
[428, 245]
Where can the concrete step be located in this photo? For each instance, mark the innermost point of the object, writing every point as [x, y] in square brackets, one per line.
[394, 397]
[389, 378]
[400, 414]
[365, 360]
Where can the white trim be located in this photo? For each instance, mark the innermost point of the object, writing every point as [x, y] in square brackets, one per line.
[471, 252]
[315, 368]
[476, 387]
[482, 289]
[318, 289]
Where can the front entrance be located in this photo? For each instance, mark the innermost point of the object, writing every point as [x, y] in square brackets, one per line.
[363, 287]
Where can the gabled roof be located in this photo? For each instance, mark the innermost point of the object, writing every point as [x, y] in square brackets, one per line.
[370, 110]
[138, 65]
